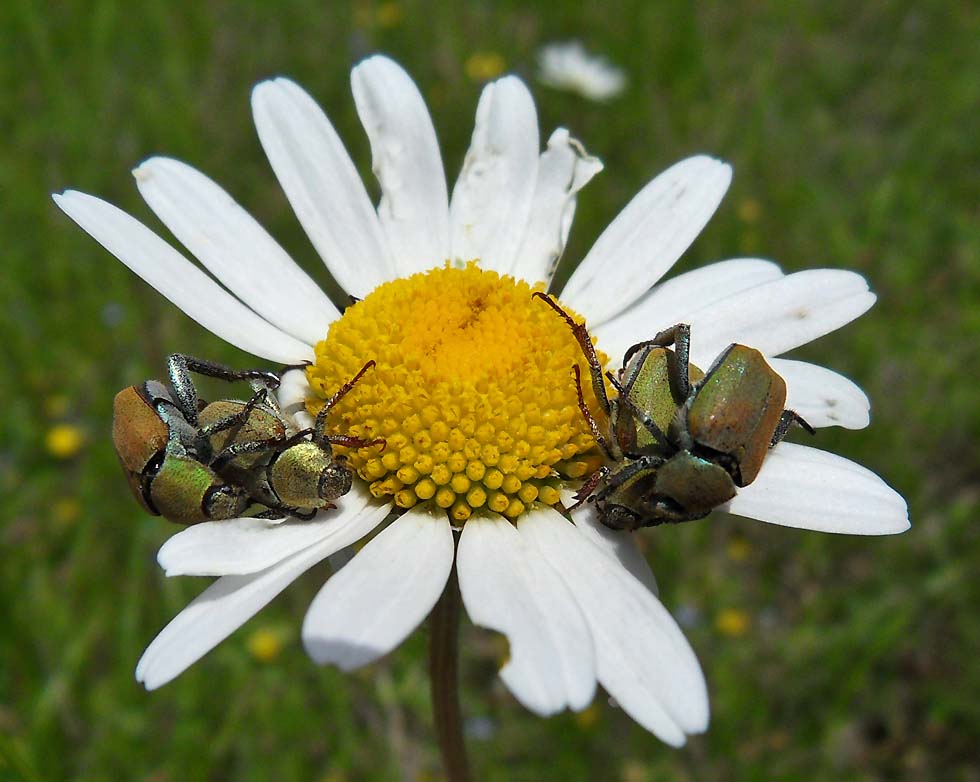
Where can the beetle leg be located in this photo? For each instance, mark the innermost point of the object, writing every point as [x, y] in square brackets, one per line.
[321, 417]
[277, 512]
[212, 369]
[586, 489]
[287, 367]
[678, 361]
[668, 512]
[236, 418]
[588, 349]
[270, 515]
[257, 446]
[786, 420]
[185, 392]
[617, 478]
[296, 513]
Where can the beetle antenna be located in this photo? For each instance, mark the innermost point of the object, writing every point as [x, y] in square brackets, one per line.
[588, 349]
[593, 426]
[353, 442]
[321, 417]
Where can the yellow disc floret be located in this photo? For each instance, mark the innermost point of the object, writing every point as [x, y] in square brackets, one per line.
[472, 391]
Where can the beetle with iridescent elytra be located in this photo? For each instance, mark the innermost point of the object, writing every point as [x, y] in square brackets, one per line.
[166, 456]
[291, 473]
[679, 442]
[191, 461]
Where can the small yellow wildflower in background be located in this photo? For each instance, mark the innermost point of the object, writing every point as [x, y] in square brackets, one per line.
[732, 622]
[336, 775]
[63, 441]
[65, 511]
[389, 15]
[587, 718]
[634, 771]
[749, 211]
[265, 644]
[484, 66]
[738, 549]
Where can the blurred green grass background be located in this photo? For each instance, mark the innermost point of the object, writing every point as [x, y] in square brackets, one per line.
[853, 133]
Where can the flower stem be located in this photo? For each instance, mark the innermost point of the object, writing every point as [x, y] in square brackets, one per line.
[444, 675]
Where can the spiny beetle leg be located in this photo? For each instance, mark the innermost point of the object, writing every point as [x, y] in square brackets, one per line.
[270, 515]
[236, 418]
[255, 446]
[677, 362]
[786, 420]
[185, 393]
[588, 349]
[289, 367]
[212, 369]
[615, 479]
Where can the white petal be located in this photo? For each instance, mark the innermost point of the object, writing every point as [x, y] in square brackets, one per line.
[780, 315]
[235, 248]
[491, 202]
[672, 300]
[813, 489]
[821, 396]
[179, 280]
[647, 238]
[643, 659]
[322, 185]
[414, 208]
[248, 545]
[383, 594]
[293, 391]
[216, 613]
[563, 169]
[617, 543]
[507, 587]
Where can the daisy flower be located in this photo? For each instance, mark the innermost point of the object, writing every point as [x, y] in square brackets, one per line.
[471, 388]
[568, 66]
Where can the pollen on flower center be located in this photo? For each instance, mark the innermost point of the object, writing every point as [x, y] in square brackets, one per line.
[472, 391]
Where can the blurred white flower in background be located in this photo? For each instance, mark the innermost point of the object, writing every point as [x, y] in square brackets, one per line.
[568, 66]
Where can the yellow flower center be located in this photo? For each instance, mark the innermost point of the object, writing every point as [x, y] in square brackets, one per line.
[472, 391]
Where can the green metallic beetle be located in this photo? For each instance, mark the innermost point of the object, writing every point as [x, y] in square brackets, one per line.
[680, 442]
[166, 456]
[291, 473]
[190, 461]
